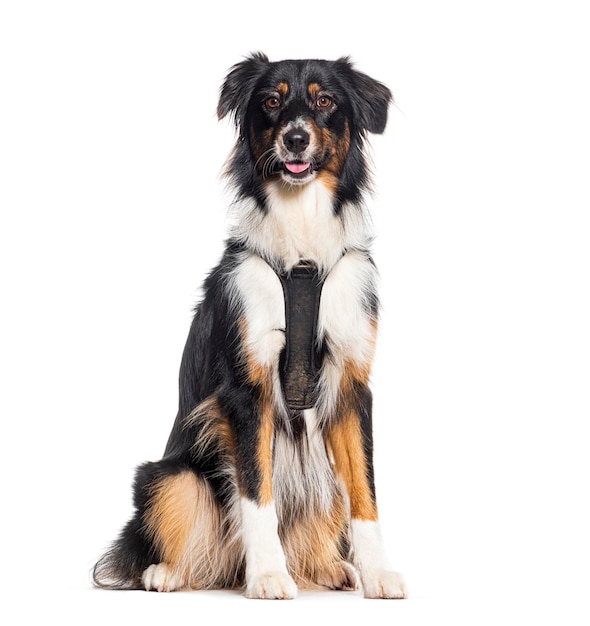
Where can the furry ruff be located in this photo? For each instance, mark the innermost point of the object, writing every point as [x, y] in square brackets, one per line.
[256, 491]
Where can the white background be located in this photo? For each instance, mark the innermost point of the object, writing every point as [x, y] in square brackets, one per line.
[112, 212]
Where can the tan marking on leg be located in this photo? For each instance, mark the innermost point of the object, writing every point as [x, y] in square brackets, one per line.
[344, 436]
[214, 431]
[171, 515]
[198, 547]
[356, 373]
[345, 443]
[261, 377]
[264, 453]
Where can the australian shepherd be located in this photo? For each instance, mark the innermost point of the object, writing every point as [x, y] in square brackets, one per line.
[267, 482]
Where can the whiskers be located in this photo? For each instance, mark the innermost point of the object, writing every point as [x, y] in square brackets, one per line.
[271, 159]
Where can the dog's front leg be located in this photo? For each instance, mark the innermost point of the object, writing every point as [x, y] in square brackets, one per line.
[253, 413]
[349, 327]
[350, 441]
[266, 567]
[254, 404]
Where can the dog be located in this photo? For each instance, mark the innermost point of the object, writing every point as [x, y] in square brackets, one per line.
[267, 481]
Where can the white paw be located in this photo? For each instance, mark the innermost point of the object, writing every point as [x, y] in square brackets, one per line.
[160, 578]
[272, 586]
[383, 584]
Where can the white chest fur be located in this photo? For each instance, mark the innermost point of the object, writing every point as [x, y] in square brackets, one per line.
[299, 223]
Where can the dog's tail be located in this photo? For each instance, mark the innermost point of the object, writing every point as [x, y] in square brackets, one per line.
[117, 568]
[123, 564]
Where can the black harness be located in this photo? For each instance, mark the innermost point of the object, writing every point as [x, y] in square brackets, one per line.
[301, 358]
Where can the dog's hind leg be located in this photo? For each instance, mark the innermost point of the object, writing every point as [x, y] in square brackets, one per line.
[192, 535]
[180, 536]
[177, 506]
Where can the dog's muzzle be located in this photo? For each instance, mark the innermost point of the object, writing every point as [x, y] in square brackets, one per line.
[297, 156]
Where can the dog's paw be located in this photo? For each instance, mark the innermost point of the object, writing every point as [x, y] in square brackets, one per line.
[341, 575]
[384, 584]
[272, 586]
[160, 577]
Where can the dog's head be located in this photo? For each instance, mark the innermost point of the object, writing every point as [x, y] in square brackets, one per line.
[298, 120]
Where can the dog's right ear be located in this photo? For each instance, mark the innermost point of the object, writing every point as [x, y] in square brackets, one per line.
[239, 84]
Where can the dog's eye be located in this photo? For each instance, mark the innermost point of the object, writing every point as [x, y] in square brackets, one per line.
[324, 102]
[273, 102]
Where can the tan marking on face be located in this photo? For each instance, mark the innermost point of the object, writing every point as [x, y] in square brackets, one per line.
[283, 89]
[313, 89]
[338, 148]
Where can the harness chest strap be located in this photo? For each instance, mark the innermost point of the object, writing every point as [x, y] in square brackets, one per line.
[300, 360]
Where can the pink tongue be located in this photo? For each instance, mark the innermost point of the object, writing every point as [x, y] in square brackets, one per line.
[297, 168]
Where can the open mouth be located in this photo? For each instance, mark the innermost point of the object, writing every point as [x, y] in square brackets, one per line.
[298, 169]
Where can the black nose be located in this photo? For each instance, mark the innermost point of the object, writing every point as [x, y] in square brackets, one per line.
[296, 140]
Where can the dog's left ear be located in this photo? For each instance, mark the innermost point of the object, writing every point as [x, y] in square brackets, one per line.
[239, 84]
[370, 98]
